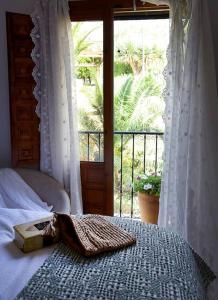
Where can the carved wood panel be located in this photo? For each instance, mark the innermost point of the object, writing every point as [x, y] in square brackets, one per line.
[23, 93]
[20, 25]
[24, 122]
[93, 187]
[23, 48]
[24, 132]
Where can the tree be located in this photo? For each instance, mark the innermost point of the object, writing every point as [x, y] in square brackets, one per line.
[80, 39]
[138, 106]
[141, 60]
[133, 105]
[86, 65]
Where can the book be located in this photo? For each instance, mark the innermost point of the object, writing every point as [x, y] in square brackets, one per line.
[29, 236]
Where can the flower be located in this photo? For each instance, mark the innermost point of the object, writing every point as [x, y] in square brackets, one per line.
[148, 184]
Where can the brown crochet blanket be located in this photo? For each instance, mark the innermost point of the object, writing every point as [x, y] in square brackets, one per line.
[89, 235]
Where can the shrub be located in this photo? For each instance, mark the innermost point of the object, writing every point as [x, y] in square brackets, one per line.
[149, 185]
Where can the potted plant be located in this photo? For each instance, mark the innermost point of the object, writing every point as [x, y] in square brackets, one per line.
[148, 188]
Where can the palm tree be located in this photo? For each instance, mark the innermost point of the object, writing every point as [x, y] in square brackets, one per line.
[137, 106]
[92, 118]
[133, 105]
[82, 45]
[136, 58]
[80, 39]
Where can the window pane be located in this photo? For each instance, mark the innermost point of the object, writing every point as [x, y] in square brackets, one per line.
[139, 60]
[88, 51]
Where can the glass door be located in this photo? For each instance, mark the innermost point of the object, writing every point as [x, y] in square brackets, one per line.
[139, 62]
[112, 152]
[92, 30]
[88, 53]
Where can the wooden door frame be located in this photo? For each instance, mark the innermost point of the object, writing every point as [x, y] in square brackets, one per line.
[108, 106]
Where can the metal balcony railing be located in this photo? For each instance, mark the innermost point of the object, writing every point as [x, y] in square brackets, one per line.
[134, 153]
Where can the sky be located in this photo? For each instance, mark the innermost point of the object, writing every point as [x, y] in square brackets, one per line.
[150, 32]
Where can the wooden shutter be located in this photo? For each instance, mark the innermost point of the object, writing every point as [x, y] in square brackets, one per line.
[24, 122]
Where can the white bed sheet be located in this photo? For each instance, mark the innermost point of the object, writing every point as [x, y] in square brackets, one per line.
[16, 268]
[18, 204]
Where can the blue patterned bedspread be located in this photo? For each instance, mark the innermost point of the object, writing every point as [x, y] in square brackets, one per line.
[160, 266]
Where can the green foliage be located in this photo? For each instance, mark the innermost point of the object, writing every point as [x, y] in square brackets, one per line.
[93, 119]
[80, 38]
[141, 60]
[87, 68]
[83, 72]
[130, 55]
[133, 107]
[131, 97]
[149, 185]
[122, 68]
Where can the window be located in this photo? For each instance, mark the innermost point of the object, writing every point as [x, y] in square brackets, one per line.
[107, 140]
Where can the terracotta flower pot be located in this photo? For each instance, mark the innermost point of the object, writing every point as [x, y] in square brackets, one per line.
[149, 208]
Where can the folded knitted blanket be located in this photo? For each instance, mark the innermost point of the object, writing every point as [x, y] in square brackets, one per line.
[90, 234]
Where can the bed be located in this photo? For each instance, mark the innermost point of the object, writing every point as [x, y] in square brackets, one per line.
[160, 266]
[17, 267]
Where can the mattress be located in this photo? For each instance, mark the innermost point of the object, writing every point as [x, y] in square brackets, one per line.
[160, 266]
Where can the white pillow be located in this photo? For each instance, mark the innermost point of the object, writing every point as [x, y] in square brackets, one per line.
[15, 193]
[2, 202]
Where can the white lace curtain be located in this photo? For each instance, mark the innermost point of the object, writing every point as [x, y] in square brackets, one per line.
[55, 92]
[189, 196]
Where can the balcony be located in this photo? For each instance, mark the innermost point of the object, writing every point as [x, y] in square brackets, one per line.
[134, 153]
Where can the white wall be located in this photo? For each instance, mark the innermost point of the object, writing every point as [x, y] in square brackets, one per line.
[20, 6]
[25, 6]
[213, 6]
